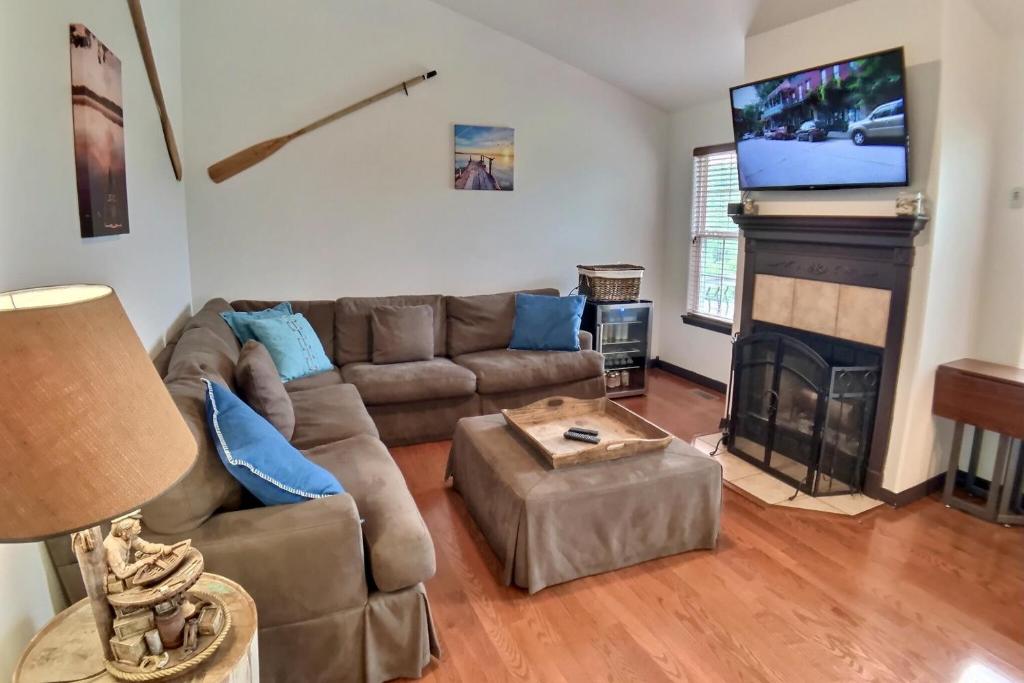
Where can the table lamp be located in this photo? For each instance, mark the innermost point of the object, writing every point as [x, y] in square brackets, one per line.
[88, 432]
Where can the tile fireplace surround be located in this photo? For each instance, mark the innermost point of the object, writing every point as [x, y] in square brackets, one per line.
[841, 277]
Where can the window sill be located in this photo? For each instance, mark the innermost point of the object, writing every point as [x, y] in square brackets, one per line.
[707, 323]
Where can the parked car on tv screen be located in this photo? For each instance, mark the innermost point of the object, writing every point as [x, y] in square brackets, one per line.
[884, 123]
[812, 131]
[780, 133]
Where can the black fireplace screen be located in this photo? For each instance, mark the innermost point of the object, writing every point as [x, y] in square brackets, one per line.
[806, 421]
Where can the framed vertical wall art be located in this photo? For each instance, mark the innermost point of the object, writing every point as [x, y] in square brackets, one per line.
[96, 108]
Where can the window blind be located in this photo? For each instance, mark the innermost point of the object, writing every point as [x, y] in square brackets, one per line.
[714, 243]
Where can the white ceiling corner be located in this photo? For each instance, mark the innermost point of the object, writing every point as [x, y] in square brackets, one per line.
[670, 53]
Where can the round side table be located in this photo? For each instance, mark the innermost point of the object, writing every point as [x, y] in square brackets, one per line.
[68, 649]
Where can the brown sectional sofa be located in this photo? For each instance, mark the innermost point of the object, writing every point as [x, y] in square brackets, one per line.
[338, 582]
[472, 372]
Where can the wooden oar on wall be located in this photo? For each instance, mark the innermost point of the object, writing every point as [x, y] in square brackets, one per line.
[250, 156]
[135, 9]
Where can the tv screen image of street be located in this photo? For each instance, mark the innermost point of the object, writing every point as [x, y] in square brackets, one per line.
[836, 125]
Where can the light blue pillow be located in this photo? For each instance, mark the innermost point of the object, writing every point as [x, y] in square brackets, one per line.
[239, 321]
[292, 344]
[547, 323]
[256, 454]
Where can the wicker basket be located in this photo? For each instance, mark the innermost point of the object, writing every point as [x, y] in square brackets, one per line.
[611, 282]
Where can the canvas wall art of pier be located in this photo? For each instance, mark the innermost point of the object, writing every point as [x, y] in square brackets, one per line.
[484, 158]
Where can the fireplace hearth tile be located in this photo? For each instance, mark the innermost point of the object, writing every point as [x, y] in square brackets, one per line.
[735, 468]
[740, 474]
[853, 504]
[764, 487]
[805, 502]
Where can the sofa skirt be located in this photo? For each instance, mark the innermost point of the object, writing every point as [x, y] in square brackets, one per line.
[401, 424]
[392, 636]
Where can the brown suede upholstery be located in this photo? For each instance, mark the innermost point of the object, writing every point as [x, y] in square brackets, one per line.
[483, 321]
[401, 552]
[401, 424]
[502, 370]
[209, 317]
[201, 353]
[584, 388]
[424, 380]
[207, 487]
[329, 413]
[352, 331]
[260, 386]
[327, 613]
[321, 379]
[402, 334]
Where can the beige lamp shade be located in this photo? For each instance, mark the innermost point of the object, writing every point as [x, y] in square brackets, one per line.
[87, 430]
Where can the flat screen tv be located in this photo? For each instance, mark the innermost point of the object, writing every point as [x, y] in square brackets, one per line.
[835, 125]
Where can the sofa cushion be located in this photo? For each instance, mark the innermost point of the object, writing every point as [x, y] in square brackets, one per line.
[320, 379]
[319, 313]
[207, 487]
[209, 317]
[294, 346]
[259, 457]
[403, 382]
[547, 323]
[329, 413]
[482, 322]
[260, 386]
[353, 336]
[402, 334]
[199, 353]
[401, 552]
[502, 370]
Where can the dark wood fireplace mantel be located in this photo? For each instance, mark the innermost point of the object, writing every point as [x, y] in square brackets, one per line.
[869, 231]
[862, 251]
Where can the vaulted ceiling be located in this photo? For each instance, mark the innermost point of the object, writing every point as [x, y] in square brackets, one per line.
[671, 53]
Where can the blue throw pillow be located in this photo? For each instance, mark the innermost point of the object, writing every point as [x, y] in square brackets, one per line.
[239, 321]
[292, 344]
[547, 323]
[256, 454]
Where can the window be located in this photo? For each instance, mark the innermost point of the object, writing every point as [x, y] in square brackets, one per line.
[714, 244]
[835, 72]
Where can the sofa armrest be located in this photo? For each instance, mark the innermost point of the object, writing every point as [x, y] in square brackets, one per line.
[297, 561]
[586, 341]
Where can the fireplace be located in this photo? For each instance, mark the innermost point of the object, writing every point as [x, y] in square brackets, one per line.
[804, 408]
[815, 362]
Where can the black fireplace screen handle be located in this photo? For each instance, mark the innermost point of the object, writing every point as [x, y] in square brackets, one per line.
[773, 401]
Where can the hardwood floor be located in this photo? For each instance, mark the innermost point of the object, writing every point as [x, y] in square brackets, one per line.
[922, 593]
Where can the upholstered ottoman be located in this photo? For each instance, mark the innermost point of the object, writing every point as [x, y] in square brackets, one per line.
[549, 526]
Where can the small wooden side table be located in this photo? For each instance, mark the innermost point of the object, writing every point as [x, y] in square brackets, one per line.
[68, 649]
[990, 397]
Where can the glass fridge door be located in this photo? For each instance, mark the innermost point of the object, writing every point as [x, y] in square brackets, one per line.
[622, 333]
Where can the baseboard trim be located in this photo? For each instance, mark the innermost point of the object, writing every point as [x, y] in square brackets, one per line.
[922, 490]
[690, 375]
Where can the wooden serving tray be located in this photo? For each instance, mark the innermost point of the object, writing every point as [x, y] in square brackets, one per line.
[622, 432]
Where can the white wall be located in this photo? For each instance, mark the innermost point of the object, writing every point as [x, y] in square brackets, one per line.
[1000, 328]
[693, 348]
[366, 206]
[952, 91]
[39, 230]
[39, 215]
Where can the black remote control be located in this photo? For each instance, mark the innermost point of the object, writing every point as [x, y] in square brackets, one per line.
[577, 436]
[583, 430]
